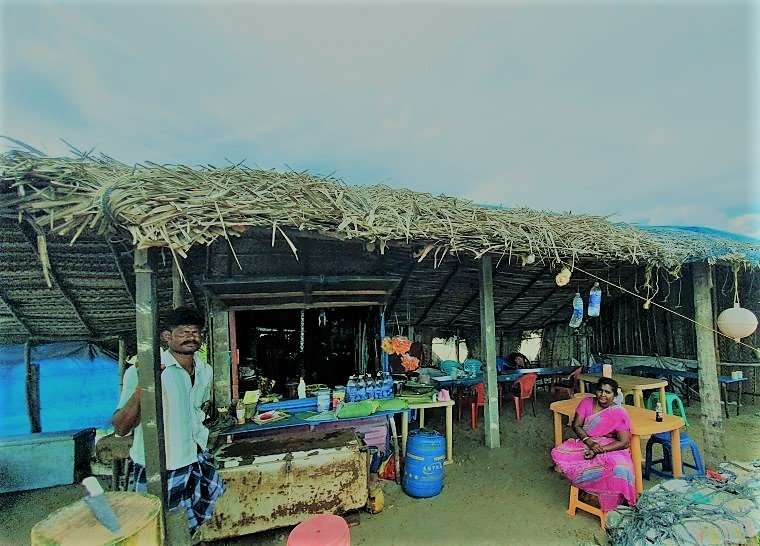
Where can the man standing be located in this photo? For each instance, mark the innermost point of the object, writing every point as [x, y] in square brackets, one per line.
[193, 482]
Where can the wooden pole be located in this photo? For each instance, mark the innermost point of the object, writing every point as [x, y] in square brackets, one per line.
[488, 349]
[709, 392]
[122, 360]
[151, 400]
[32, 389]
[178, 299]
[221, 357]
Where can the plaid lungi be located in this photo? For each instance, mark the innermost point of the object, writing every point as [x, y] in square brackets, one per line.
[195, 487]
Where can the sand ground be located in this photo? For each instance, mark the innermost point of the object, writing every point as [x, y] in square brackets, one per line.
[506, 496]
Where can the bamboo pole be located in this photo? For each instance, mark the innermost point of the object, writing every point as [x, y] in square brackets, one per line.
[151, 400]
[221, 355]
[488, 348]
[178, 299]
[122, 361]
[709, 391]
[32, 389]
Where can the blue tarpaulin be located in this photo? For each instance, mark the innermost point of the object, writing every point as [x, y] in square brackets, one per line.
[79, 387]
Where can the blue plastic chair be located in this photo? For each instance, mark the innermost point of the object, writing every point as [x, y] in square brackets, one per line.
[666, 471]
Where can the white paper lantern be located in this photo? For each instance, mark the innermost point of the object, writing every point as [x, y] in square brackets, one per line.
[737, 322]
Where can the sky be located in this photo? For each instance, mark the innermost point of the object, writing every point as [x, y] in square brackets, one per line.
[643, 111]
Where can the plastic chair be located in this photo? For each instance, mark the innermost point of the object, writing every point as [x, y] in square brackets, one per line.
[576, 504]
[567, 387]
[672, 402]
[663, 438]
[475, 402]
[525, 384]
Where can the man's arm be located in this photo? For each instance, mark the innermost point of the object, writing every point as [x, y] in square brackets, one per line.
[127, 414]
[127, 417]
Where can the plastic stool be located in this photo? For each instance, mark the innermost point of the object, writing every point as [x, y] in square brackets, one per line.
[663, 438]
[322, 530]
[576, 504]
[671, 399]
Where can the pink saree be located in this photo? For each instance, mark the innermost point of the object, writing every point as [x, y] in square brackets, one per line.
[610, 476]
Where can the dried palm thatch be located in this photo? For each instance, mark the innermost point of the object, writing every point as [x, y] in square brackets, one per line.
[178, 206]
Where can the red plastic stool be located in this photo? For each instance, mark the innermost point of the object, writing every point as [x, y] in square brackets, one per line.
[322, 530]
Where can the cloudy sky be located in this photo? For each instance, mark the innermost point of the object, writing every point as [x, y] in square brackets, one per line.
[645, 111]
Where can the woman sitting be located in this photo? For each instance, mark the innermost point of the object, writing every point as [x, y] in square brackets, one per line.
[599, 461]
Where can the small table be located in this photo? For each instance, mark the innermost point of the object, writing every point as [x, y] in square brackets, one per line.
[643, 423]
[422, 406]
[629, 383]
[723, 380]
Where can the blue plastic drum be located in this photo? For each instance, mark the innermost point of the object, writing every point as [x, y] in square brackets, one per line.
[423, 465]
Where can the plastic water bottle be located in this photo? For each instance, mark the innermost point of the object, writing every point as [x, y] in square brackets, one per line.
[351, 389]
[380, 386]
[370, 387]
[577, 317]
[594, 300]
[361, 389]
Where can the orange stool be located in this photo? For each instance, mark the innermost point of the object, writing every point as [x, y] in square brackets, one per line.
[576, 504]
[322, 530]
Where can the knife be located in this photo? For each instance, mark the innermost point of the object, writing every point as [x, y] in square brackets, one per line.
[100, 506]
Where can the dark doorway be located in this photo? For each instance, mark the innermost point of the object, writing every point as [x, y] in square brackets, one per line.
[338, 342]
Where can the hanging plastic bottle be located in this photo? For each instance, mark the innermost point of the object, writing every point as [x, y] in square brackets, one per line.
[577, 317]
[594, 300]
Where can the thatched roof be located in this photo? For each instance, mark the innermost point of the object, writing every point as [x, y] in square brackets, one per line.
[68, 228]
[178, 207]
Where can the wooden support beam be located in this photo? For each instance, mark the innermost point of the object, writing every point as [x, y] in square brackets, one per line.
[178, 299]
[32, 389]
[400, 288]
[122, 361]
[529, 311]
[12, 310]
[34, 242]
[149, 375]
[221, 357]
[709, 390]
[488, 345]
[122, 273]
[522, 291]
[438, 294]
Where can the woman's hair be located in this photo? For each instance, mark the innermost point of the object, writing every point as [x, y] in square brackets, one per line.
[607, 381]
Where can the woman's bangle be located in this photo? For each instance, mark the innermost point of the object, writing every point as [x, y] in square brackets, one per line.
[585, 438]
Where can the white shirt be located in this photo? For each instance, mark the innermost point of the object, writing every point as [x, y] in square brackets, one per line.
[183, 417]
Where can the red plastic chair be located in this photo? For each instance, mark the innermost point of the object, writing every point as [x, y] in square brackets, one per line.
[525, 385]
[475, 402]
[564, 389]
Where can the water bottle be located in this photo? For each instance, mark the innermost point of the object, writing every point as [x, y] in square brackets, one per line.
[361, 389]
[351, 389]
[577, 317]
[594, 300]
[370, 387]
[380, 387]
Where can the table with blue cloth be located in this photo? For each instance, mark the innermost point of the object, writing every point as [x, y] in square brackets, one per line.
[723, 380]
[505, 377]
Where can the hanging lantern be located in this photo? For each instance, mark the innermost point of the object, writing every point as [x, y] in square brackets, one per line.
[563, 277]
[737, 322]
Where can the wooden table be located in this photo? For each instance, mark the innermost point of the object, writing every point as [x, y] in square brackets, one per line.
[642, 424]
[630, 384]
[449, 405]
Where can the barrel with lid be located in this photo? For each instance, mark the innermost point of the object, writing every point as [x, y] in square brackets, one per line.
[423, 465]
[75, 524]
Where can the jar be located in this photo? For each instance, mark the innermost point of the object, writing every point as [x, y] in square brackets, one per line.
[323, 399]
